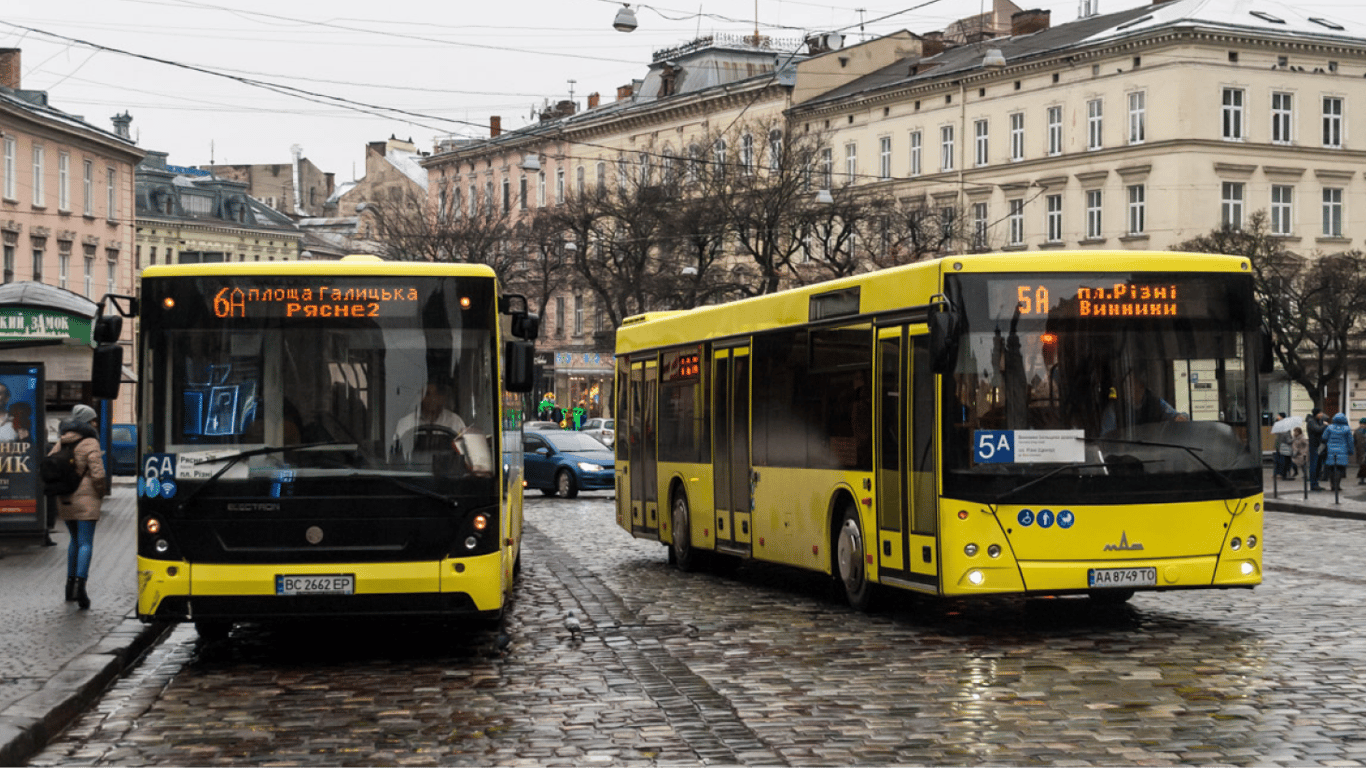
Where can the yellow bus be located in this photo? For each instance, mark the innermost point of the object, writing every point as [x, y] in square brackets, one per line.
[328, 439]
[1035, 424]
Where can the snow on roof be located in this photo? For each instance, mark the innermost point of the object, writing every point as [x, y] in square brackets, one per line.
[1276, 18]
[407, 164]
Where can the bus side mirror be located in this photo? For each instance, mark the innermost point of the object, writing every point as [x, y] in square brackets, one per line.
[108, 329]
[106, 371]
[526, 325]
[519, 366]
[943, 322]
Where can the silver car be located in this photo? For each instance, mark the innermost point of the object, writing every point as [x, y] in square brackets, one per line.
[605, 430]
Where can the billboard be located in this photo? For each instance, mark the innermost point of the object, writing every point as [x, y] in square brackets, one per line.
[23, 441]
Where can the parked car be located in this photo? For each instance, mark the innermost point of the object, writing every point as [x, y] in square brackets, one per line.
[123, 449]
[562, 463]
[604, 430]
[540, 425]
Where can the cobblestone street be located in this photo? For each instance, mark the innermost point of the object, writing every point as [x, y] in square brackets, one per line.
[763, 666]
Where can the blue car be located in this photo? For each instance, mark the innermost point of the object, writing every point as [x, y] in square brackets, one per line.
[123, 449]
[562, 463]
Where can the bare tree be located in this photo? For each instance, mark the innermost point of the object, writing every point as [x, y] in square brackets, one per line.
[764, 187]
[1311, 307]
[406, 226]
[546, 269]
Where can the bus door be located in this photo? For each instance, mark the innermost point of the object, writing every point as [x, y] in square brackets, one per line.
[907, 492]
[730, 455]
[642, 481]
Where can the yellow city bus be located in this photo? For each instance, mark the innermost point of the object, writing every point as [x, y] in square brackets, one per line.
[1037, 424]
[328, 439]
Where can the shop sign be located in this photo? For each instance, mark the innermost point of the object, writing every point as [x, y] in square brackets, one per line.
[37, 325]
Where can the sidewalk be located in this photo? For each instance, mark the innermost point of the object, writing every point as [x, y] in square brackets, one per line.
[1290, 496]
[58, 659]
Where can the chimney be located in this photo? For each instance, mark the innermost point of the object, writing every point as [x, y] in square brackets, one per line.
[495, 126]
[624, 92]
[594, 99]
[932, 44]
[9, 68]
[1026, 22]
[121, 123]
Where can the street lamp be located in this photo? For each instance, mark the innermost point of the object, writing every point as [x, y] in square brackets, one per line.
[625, 20]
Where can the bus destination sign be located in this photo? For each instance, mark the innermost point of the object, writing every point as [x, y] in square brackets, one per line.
[309, 302]
[1040, 298]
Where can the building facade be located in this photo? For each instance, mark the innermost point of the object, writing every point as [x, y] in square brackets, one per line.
[1132, 130]
[690, 95]
[298, 190]
[188, 216]
[66, 226]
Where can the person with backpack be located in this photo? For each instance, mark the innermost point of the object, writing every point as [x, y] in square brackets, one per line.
[79, 494]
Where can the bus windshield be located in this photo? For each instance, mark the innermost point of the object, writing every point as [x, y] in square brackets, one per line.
[1084, 389]
[397, 387]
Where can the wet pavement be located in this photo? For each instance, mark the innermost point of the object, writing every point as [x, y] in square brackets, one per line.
[763, 666]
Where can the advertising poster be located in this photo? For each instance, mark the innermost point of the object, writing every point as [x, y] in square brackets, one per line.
[22, 438]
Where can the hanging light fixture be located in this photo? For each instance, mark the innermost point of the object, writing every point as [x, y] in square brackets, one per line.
[625, 20]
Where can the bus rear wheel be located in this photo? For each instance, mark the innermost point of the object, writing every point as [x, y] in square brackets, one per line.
[850, 559]
[681, 552]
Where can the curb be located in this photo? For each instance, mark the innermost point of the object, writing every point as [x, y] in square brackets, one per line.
[30, 723]
[1299, 508]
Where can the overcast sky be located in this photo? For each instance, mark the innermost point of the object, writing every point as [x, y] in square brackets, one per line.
[244, 82]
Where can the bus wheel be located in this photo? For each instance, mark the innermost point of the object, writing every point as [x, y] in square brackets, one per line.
[565, 485]
[1110, 596]
[849, 555]
[684, 557]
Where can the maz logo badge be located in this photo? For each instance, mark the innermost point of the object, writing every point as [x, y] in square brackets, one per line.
[315, 534]
[1124, 545]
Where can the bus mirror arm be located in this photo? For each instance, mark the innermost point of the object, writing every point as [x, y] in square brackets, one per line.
[945, 329]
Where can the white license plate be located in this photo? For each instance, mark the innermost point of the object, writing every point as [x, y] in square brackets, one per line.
[326, 584]
[1102, 578]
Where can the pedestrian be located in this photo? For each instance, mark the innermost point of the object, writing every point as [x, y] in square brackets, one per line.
[1338, 439]
[1284, 447]
[1314, 426]
[1300, 456]
[81, 510]
[1359, 438]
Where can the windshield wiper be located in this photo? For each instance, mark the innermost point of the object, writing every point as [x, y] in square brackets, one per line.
[1194, 453]
[1045, 476]
[236, 457]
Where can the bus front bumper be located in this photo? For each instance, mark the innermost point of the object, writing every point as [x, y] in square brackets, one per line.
[177, 591]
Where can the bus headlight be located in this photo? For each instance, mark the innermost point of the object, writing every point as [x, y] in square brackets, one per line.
[471, 542]
[481, 522]
[1247, 569]
[1236, 544]
[976, 577]
[994, 550]
[970, 550]
[161, 546]
[1251, 542]
[152, 525]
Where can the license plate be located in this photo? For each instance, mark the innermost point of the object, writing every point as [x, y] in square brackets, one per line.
[1101, 578]
[326, 584]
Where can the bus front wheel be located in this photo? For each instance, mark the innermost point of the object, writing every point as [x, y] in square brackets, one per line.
[684, 557]
[850, 560]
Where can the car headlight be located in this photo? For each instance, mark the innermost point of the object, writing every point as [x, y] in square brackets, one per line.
[587, 467]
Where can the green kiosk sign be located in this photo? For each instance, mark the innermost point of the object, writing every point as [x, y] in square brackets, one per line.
[43, 325]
